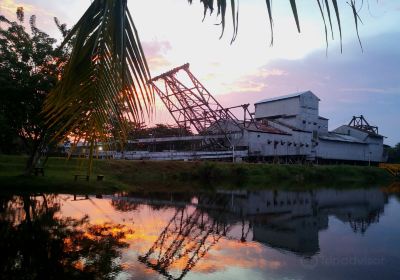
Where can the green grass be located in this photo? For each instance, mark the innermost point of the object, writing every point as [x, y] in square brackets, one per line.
[183, 176]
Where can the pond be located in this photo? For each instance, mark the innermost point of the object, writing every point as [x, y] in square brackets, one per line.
[268, 234]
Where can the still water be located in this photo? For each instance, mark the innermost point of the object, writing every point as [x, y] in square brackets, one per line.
[318, 234]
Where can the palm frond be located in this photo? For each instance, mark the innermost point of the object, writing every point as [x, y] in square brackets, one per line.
[335, 6]
[271, 22]
[357, 18]
[323, 18]
[295, 15]
[209, 5]
[104, 84]
[328, 11]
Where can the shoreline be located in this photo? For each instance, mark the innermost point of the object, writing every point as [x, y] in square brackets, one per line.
[149, 176]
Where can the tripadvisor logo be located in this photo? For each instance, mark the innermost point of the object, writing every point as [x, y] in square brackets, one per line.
[312, 262]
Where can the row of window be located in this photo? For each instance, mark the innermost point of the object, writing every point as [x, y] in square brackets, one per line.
[288, 202]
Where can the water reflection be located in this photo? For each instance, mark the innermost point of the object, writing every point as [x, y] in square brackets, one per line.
[186, 239]
[289, 221]
[38, 243]
[208, 235]
[292, 220]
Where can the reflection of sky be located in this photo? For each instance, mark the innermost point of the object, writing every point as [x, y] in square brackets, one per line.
[231, 259]
[353, 83]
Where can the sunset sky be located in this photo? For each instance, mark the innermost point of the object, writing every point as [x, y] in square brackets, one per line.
[249, 70]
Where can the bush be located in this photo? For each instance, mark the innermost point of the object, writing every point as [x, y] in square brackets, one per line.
[209, 172]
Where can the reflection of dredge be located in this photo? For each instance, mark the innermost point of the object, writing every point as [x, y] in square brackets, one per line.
[185, 240]
[287, 221]
[189, 235]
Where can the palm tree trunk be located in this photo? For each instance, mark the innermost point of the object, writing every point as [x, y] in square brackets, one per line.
[35, 155]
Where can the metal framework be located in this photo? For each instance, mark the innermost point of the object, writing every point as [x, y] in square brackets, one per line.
[190, 235]
[193, 107]
[361, 123]
[186, 239]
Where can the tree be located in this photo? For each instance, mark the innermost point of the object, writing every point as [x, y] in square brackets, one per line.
[29, 69]
[394, 154]
[37, 242]
[159, 130]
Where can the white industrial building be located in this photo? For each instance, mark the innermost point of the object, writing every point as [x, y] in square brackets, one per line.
[290, 128]
[282, 129]
[286, 129]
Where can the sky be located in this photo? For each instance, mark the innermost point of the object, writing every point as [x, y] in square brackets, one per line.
[350, 83]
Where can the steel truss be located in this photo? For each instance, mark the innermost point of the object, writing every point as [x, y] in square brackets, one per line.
[361, 123]
[186, 239]
[193, 107]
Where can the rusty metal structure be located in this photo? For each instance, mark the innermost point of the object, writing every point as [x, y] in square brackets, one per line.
[361, 123]
[281, 129]
[392, 168]
[185, 240]
[191, 233]
[193, 107]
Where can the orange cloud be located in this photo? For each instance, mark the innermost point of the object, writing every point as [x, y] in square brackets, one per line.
[155, 54]
[9, 7]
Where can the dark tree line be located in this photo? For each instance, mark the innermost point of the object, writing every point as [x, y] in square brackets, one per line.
[394, 154]
[158, 130]
[30, 66]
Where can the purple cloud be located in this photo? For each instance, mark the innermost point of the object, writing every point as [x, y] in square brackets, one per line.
[348, 84]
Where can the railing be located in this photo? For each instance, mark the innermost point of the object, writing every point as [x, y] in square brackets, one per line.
[394, 188]
[171, 155]
[392, 168]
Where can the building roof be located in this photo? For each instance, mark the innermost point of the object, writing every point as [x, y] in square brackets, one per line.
[281, 117]
[250, 126]
[290, 126]
[278, 98]
[370, 133]
[332, 136]
[260, 127]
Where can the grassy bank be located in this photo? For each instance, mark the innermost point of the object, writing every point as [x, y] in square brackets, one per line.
[182, 176]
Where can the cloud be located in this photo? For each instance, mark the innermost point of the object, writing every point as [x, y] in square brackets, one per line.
[155, 52]
[254, 82]
[372, 90]
[348, 84]
[9, 7]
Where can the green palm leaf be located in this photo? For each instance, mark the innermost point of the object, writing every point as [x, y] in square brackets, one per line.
[234, 5]
[104, 84]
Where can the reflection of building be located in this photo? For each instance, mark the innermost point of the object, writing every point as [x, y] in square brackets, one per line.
[292, 220]
[284, 220]
[298, 235]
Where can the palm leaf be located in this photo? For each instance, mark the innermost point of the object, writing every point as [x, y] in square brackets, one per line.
[335, 6]
[269, 10]
[326, 31]
[356, 19]
[222, 5]
[104, 84]
[295, 15]
[329, 16]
